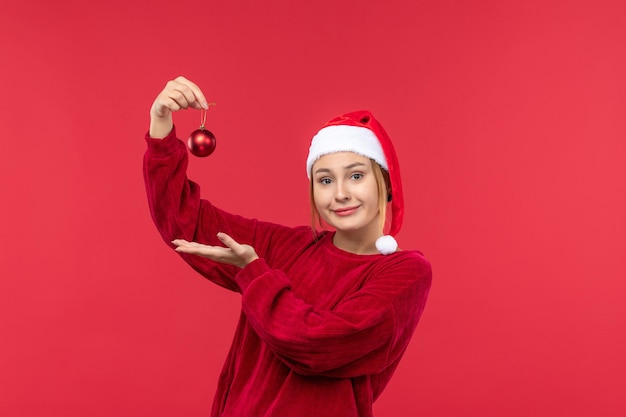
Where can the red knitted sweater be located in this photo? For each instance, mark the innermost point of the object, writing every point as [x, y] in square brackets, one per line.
[321, 330]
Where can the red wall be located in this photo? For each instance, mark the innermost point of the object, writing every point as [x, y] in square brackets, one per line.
[508, 117]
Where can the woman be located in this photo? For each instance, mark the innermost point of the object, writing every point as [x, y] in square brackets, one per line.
[326, 316]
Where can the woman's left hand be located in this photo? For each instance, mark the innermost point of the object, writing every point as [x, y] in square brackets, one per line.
[233, 254]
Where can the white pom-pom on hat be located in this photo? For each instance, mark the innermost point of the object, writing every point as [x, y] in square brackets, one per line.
[386, 244]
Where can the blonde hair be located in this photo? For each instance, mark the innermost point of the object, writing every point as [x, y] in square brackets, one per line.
[384, 196]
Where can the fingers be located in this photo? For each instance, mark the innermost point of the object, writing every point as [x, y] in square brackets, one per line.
[208, 251]
[245, 253]
[182, 93]
[178, 94]
[229, 242]
[223, 237]
[188, 247]
[196, 99]
[184, 243]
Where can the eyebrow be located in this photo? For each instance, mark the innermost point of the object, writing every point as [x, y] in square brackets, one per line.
[347, 168]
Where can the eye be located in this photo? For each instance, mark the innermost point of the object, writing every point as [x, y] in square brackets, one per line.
[325, 181]
[356, 176]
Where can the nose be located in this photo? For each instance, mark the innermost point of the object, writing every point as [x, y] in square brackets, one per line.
[341, 192]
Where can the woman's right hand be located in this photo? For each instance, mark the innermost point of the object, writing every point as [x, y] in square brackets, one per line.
[178, 94]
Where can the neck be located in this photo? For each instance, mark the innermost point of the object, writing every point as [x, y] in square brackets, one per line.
[357, 243]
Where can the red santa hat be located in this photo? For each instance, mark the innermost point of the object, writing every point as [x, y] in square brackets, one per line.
[361, 133]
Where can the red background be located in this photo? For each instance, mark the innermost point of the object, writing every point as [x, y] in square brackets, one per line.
[509, 121]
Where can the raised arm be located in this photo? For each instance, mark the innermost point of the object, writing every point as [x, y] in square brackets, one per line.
[175, 202]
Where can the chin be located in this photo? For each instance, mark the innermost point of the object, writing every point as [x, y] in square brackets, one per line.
[347, 227]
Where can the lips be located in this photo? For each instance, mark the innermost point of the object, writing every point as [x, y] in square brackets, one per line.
[345, 211]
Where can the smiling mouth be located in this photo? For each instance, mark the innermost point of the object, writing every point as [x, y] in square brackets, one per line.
[345, 211]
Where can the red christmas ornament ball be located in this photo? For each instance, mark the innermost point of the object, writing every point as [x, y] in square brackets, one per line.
[201, 142]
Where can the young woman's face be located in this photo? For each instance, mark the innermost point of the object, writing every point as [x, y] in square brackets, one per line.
[346, 192]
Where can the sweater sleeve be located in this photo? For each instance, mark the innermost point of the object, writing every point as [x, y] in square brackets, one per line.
[364, 334]
[179, 212]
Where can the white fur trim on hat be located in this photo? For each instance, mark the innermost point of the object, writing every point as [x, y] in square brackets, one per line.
[386, 244]
[345, 138]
